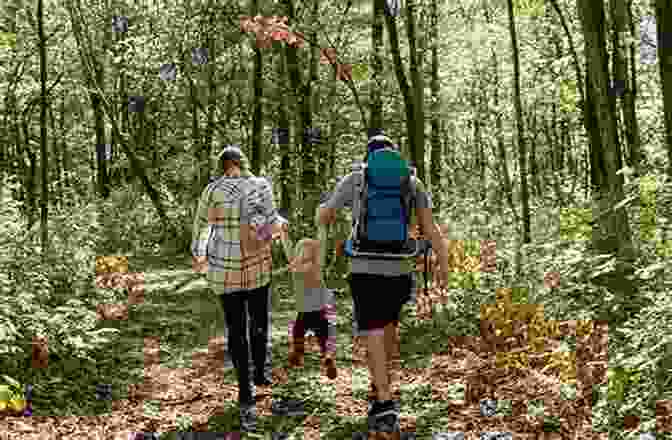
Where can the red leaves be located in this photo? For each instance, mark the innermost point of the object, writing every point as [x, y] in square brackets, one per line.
[328, 55]
[344, 72]
[269, 29]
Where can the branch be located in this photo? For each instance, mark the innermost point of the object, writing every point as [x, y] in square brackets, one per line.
[575, 58]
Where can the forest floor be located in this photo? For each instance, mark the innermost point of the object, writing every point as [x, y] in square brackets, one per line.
[439, 380]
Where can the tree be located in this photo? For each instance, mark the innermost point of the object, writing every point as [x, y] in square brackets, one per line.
[91, 81]
[611, 231]
[257, 95]
[376, 120]
[44, 202]
[435, 136]
[413, 96]
[623, 84]
[520, 131]
[664, 45]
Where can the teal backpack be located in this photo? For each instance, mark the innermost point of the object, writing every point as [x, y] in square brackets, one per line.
[382, 205]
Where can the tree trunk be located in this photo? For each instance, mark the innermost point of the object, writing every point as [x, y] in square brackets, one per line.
[534, 166]
[620, 79]
[634, 141]
[553, 145]
[286, 175]
[257, 96]
[501, 147]
[64, 151]
[206, 145]
[663, 32]
[437, 153]
[56, 170]
[611, 231]
[44, 202]
[477, 141]
[418, 92]
[520, 132]
[409, 97]
[376, 120]
[309, 196]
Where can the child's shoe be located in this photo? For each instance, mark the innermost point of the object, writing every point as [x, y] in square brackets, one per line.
[330, 364]
[296, 355]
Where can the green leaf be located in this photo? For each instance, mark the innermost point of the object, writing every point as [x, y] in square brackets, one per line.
[13, 382]
[360, 72]
[7, 40]
[4, 393]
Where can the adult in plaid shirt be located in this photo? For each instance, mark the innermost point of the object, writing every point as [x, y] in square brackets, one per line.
[238, 265]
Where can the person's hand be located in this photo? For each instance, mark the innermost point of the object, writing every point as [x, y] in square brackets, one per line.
[200, 264]
[443, 271]
[280, 232]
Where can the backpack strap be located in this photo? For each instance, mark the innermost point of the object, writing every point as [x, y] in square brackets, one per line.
[358, 176]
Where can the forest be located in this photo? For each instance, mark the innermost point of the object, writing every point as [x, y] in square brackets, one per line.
[542, 128]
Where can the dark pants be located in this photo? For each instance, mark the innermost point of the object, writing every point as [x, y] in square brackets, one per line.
[238, 307]
[321, 323]
[377, 299]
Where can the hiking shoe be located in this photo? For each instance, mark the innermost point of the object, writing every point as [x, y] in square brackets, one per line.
[248, 417]
[287, 408]
[296, 358]
[373, 392]
[332, 372]
[384, 416]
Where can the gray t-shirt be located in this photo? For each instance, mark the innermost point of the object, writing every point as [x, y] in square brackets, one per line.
[343, 195]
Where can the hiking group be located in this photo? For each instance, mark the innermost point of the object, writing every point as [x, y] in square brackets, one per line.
[235, 224]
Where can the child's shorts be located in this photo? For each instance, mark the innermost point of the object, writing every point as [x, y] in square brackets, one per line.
[377, 299]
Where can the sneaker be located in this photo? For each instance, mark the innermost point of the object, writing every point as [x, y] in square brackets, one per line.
[296, 359]
[248, 417]
[332, 372]
[373, 392]
[384, 416]
[287, 408]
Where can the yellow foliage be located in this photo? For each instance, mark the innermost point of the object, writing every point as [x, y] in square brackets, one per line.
[112, 264]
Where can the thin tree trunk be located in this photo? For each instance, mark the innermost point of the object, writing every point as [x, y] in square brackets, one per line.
[417, 137]
[206, 145]
[56, 170]
[286, 175]
[520, 131]
[437, 153]
[534, 166]
[663, 32]
[409, 97]
[257, 96]
[376, 120]
[501, 147]
[64, 150]
[553, 145]
[620, 75]
[635, 156]
[44, 202]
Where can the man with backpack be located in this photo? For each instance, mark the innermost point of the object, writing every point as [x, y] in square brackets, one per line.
[384, 194]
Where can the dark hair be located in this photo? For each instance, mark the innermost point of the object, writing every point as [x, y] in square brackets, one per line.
[377, 142]
[230, 154]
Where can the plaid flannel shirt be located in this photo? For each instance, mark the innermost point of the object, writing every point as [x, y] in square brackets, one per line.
[225, 206]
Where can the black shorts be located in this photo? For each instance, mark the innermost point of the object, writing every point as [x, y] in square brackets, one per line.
[378, 299]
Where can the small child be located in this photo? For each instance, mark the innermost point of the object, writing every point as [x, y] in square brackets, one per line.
[315, 305]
